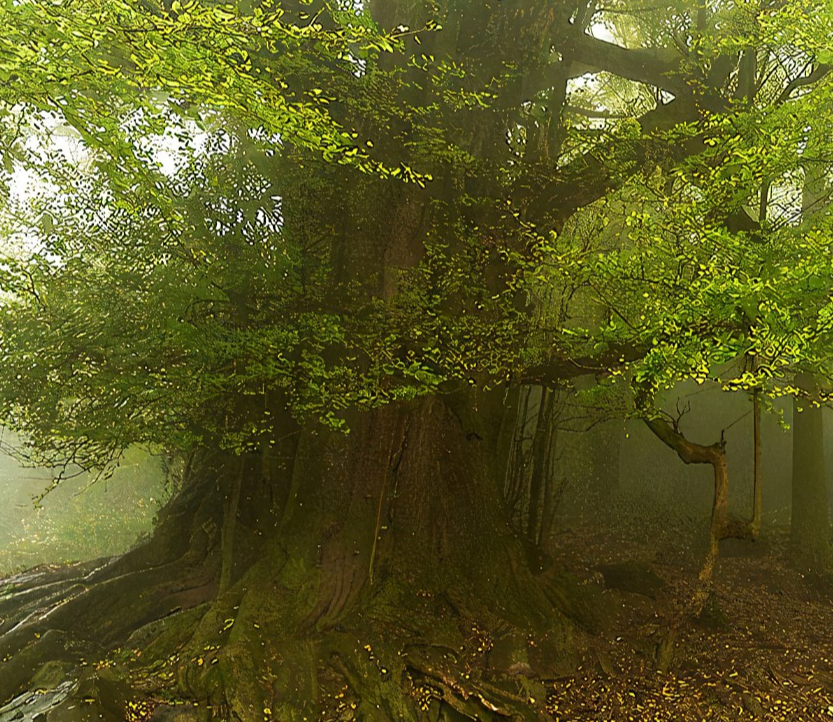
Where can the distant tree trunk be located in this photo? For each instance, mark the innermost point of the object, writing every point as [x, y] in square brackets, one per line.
[605, 440]
[516, 427]
[540, 476]
[757, 470]
[532, 489]
[746, 81]
[810, 521]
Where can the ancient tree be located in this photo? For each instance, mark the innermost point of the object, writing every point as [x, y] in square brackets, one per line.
[310, 250]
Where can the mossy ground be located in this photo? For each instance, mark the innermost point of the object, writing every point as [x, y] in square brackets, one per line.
[760, 649]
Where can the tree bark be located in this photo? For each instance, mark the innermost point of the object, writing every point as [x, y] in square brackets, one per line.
[280, 614]
[810, 519]
[721, 527]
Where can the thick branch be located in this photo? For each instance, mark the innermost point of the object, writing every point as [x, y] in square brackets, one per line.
[555, 372]
[582, 54]
[818, 73]
[659, 68]
[589, 178]
[689, 452]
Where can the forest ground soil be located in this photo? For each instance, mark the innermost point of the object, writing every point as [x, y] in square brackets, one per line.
[762, 649]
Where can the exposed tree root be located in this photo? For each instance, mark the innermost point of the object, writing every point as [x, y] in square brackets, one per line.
[238, 610]
[401, 653]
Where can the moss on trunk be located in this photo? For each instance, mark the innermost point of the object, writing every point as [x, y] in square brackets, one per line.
[284, 623]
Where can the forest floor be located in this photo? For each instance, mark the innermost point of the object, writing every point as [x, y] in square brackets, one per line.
[762, 648]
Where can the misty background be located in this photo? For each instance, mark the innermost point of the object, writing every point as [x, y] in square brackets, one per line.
[86, 518]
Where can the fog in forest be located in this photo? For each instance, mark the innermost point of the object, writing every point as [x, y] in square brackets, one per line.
[86, 516]
[416, 361]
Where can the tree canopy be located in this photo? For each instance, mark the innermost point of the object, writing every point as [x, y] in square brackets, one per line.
[612, 189]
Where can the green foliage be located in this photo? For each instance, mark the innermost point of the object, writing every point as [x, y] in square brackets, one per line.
[697, 297]
[238, 211]
[115, 71]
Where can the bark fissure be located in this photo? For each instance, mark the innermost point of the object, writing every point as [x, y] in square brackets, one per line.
[229, 527]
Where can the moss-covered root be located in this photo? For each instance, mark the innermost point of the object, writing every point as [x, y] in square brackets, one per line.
[236, 660]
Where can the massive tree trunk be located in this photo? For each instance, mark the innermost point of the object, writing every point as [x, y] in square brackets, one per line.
[372, 575]
[373, 571]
